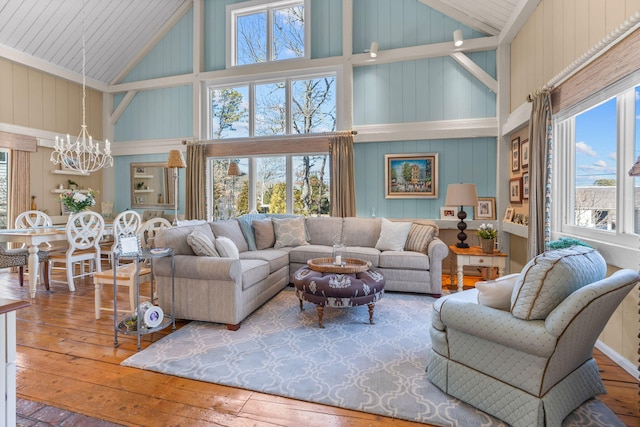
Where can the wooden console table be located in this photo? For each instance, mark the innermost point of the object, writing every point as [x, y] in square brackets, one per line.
[473, 255]
[8, 309]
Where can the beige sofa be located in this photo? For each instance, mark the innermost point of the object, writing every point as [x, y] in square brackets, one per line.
[226, 290]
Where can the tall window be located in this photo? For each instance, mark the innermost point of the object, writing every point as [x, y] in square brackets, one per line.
[272, 32]
[4, 187]
[595, 145]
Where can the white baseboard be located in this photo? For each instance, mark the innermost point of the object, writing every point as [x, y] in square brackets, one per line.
[631, 368]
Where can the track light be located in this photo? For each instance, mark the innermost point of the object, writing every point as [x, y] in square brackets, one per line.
[373, 50]
[457, 38]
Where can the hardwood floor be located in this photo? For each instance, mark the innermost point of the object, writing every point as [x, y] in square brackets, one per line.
[66, 359]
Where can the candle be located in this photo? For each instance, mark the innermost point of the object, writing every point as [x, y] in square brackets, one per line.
[338, 259]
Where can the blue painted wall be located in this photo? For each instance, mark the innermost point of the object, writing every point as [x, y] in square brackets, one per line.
[459, 160]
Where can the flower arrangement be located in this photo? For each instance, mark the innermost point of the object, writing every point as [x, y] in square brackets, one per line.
[486, 231]
[76, 201]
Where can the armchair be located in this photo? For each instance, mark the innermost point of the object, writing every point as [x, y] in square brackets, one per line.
[530, 365]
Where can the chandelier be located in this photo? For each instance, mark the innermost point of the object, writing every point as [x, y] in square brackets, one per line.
[84, 154]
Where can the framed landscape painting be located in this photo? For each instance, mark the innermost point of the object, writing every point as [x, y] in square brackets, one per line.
[410, 176]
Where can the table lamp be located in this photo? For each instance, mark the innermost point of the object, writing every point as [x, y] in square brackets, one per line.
[175, 161]
[461, 195]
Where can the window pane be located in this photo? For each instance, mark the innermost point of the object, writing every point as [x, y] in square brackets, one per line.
[311, 185]
[230, 193]
[270, 114]
[288, 33]
[251, 38]
[314, 105]
[271, 184]
[229, 112]
[595, 173]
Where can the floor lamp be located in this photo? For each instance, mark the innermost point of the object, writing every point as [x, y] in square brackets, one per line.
[175, 161]
[461, 195]
[233, 171]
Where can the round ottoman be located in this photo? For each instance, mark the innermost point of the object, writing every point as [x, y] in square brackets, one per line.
[338, 290]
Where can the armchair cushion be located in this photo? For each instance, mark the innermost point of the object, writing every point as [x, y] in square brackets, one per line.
[497, 293]
[549, 278]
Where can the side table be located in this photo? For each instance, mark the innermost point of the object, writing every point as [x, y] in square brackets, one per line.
[474, 256]
[142, 256]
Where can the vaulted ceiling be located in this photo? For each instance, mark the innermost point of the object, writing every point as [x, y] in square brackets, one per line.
[49, 32]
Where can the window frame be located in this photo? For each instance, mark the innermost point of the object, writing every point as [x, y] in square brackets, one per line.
[563, 207]
[255, 6]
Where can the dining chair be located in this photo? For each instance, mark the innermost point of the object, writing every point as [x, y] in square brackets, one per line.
[125, 223]
[84, 231]
[149, 229]
[34, 219]
[15, 258]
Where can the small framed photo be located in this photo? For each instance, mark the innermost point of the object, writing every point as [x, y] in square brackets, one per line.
[447, 212]
[140, 170]
[515, 155]
[525, 219]
[524, 154]
[486, 208]
[508, 215]
[515, 190]
[517, 219]
[525, 185]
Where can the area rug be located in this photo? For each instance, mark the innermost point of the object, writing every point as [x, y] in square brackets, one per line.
[379, 369]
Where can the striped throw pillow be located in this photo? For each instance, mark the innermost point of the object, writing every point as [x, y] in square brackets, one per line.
[419, 237]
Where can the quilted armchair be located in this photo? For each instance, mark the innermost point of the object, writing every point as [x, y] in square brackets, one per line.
[530, 363]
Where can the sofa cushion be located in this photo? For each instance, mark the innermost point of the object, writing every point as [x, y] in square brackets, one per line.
[393, 235]
[289, 232]
[246, 226]
[201, 244]
[226, 248]
[176, 238]
[550, 277]
[360, 231]
[301, 254]
[230, 229]
[277, 258]
[253, 271]
[497, 293]
[404, 260]
[264, 234]
[419, 237]
[324, 230]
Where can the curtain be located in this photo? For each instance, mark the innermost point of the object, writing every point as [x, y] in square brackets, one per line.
[343, 194]
[540, 150]
[19, 185]
[195, 200]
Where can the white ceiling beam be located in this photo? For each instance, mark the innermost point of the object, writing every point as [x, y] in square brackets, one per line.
[122, 106]
[518, 18]
[475, 70]
[159, 83]
[442, 129]
[463, 18]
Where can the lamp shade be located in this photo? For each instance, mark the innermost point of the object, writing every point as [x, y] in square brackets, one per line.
[176, 160]
[635, 170]
[234, 169]
[457, 38]
[461, 195]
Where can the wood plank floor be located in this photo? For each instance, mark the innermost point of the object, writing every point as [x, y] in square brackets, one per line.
[66, 359]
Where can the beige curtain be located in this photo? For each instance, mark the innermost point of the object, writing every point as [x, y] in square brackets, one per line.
[19, 185]
[195, 200]
[343, 193]
[540, 152]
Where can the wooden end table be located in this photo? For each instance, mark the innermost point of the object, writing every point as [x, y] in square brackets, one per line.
[473, 255]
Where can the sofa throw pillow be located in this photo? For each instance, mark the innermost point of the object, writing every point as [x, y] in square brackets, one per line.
[226, 248]
[419, 237]
[230, 229]
[263, 230]
[246, 225]
[201, 244]
[393, 235]
[552, 276]
[497, 293]
[289, 232]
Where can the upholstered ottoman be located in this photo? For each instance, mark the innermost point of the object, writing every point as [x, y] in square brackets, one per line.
[338, 290]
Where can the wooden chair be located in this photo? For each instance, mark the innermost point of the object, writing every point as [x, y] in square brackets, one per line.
[34, 219]
[149, 229]
[125, 276]
[84, 231]
[15, 258]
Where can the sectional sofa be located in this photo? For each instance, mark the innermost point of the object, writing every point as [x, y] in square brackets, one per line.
[224, 270]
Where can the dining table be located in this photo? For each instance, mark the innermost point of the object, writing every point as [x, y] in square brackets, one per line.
[33, 238]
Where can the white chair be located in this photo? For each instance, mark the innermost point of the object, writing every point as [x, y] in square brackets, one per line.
[149, 229]
[84, 231]
[125, 223]
[34, 219]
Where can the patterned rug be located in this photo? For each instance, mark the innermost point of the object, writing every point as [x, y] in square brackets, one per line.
[379, 369]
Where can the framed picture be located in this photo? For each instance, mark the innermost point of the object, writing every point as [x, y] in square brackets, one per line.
[410, 176]
[140, 170]
[517, 219]
[525, 185]
[515, 190]
[524, 154]
[447, 212]
[508, 215]
[515, 155]
[486, 208]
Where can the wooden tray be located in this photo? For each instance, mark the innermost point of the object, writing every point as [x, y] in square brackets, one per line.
[349, 265]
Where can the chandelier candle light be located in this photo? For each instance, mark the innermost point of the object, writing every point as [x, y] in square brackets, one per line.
[84, 154]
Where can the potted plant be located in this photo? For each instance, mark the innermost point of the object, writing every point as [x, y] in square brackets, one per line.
[487, 237]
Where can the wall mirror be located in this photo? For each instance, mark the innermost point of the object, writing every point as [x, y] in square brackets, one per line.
[151, 186]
